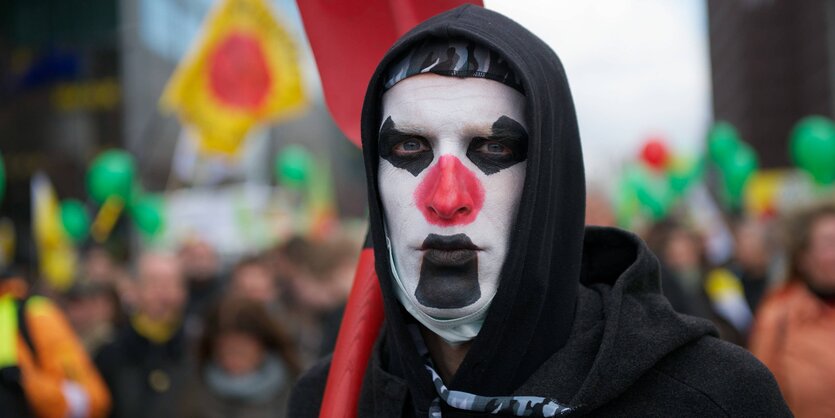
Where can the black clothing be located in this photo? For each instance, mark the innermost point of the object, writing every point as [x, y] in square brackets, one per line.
[330, 322]
[203, 293]
[145, 379]
[755, 286]
[628, 354]
[627, 347]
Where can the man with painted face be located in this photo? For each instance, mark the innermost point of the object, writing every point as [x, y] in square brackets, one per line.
[498, 302]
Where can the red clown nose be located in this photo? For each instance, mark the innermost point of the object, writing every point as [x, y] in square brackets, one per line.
[450, 194]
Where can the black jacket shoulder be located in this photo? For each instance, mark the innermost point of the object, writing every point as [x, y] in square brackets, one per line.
[728, 376]
[707, 377]
[307, 394]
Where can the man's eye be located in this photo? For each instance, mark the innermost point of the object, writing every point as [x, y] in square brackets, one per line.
[410, 146]
[495, 149]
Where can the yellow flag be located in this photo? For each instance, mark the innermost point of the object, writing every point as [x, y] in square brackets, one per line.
[57, 255]
[242, 71]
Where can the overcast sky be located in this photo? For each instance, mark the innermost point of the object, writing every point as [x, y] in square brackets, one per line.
[636, 68]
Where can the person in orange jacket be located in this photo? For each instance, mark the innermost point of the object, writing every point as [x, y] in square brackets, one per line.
[55, 374]
[794, 329]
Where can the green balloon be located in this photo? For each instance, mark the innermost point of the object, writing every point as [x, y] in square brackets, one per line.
[737, 172]
[147, 214]
[75, 219]
[111, 174]
[136, 192]
[813, 148]
[293, 166]
[723, 142]
[2, 177]
[653, 191]
[686, 174]
[626, 203]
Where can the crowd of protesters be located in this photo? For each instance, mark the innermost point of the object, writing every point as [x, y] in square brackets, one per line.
[181, 333]
[189, 334]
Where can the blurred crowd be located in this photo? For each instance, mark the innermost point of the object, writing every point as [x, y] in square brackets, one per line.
[185, 333]
[188, 333]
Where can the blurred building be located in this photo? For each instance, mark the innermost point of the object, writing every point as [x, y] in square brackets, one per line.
[81, 76]
[773, 62]
[60, 99]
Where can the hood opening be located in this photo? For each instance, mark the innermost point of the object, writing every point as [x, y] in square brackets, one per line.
[532, 313]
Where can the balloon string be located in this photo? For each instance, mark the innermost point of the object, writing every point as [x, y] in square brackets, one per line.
[106, 218]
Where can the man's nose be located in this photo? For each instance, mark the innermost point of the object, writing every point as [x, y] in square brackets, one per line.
[450, 194]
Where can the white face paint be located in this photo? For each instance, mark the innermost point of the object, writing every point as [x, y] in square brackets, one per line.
[451, 172]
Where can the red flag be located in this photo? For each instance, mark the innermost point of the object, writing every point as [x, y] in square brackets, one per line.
[350, 37]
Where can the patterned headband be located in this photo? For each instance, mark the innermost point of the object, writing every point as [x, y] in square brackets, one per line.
[456, 58]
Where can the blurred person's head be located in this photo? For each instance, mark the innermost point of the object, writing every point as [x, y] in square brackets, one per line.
[240, 335]
[160, 289]
[281, 260]
[324, 273]
[252, 279]
[83, 304]
[93, 309]
[811, 248]
[98, 266]
[125, 288]
[752, 250]
[200, 261]
[679, 247]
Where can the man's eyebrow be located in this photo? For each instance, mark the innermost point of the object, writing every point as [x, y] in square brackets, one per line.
[506, 128]
[390, 133]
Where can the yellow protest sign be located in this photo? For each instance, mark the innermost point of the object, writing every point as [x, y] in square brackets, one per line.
[243, 71]
[57, 255]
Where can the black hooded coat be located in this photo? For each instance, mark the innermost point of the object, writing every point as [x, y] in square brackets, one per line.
[578, 316]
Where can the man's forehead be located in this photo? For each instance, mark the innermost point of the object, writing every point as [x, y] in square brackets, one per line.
[431, 101]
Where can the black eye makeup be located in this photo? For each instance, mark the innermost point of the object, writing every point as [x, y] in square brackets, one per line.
[506, 146]
[404, 150]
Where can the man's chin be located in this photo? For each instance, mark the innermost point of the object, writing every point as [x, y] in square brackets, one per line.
[449, 314]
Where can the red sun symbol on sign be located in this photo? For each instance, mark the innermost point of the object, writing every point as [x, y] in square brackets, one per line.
[238, 72]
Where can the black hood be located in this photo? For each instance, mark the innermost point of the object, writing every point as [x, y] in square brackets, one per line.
[532, 313]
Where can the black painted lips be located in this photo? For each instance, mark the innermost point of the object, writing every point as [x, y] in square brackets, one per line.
[449, 250]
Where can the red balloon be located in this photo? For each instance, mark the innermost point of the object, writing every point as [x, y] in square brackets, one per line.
[655, 154]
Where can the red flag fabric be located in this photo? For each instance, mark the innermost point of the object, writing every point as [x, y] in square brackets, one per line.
[349, 37]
